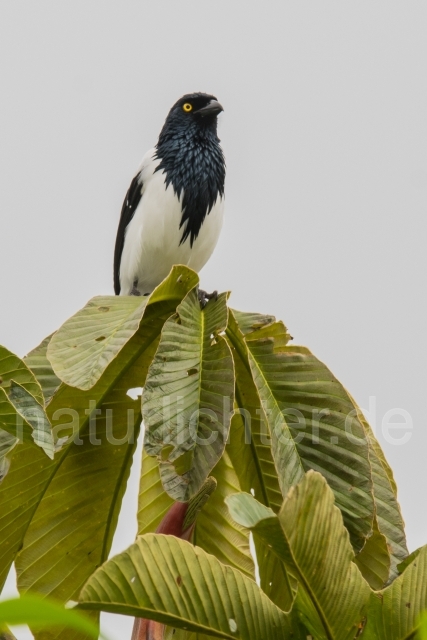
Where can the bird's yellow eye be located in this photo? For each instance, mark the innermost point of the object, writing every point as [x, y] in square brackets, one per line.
[187, 107]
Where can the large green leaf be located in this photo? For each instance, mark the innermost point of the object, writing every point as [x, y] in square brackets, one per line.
[73, 521]
[41, 613]
[188, 396]
[168, 580]
[388, 514]
[215, 531]
[249, 446]
[299, 391]
[90, 340]
[71, 533]
[394, 612]
[30, 473]
[308, 535]
[266, 374]
[250, 451]
[21, 403]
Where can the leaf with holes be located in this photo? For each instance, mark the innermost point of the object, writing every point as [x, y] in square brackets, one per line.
[88, 342]
[188, 396]
[168, 580]
[77, 512]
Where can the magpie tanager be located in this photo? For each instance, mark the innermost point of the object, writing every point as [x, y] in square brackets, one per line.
[173, 210]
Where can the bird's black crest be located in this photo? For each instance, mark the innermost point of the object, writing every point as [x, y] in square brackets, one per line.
[192, 160]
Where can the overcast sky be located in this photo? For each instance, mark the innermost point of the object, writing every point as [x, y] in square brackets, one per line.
[325, 137]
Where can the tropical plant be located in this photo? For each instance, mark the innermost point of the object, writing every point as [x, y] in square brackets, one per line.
[42, 613]
[245, 435]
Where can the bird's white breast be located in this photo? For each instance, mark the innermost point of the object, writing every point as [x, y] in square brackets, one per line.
[152, 241]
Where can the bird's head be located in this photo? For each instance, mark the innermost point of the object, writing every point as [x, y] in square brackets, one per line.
[194, 112]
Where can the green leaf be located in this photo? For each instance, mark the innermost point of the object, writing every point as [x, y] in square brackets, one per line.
[250, 451]
[21, 403]
[89, 341]
[29, 475]
[34, 414]
[299, 391]
[275, 580]
[308, 535]
[422, 629]
[7, 443]
[168, 580]
[188, 396]
[388, 514]
[13, 368]
[265, 372]
[153, 501]
[71, 533]
[248, 448]
[6, 634]
[250, 322]
[40, 366]
[215, 530]
[20, 493]
[41, 613]
[374, 559]
[408, 560]
[23, 418]
[394, 612]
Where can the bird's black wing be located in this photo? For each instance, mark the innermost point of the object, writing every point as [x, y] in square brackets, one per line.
[131, 201]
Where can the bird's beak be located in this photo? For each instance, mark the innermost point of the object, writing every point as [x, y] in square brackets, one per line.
[211, 109]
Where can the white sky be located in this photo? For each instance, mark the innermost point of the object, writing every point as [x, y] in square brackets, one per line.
[325, 135]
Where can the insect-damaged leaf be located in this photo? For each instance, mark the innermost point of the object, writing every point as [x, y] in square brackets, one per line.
[188, 395]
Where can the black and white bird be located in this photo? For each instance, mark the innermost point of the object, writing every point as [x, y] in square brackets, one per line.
[173, 210]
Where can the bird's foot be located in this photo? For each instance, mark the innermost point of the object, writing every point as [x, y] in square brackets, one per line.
[134, 290]
[205, 297]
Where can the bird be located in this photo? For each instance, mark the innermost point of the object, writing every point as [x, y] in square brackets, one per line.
[173, 211]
